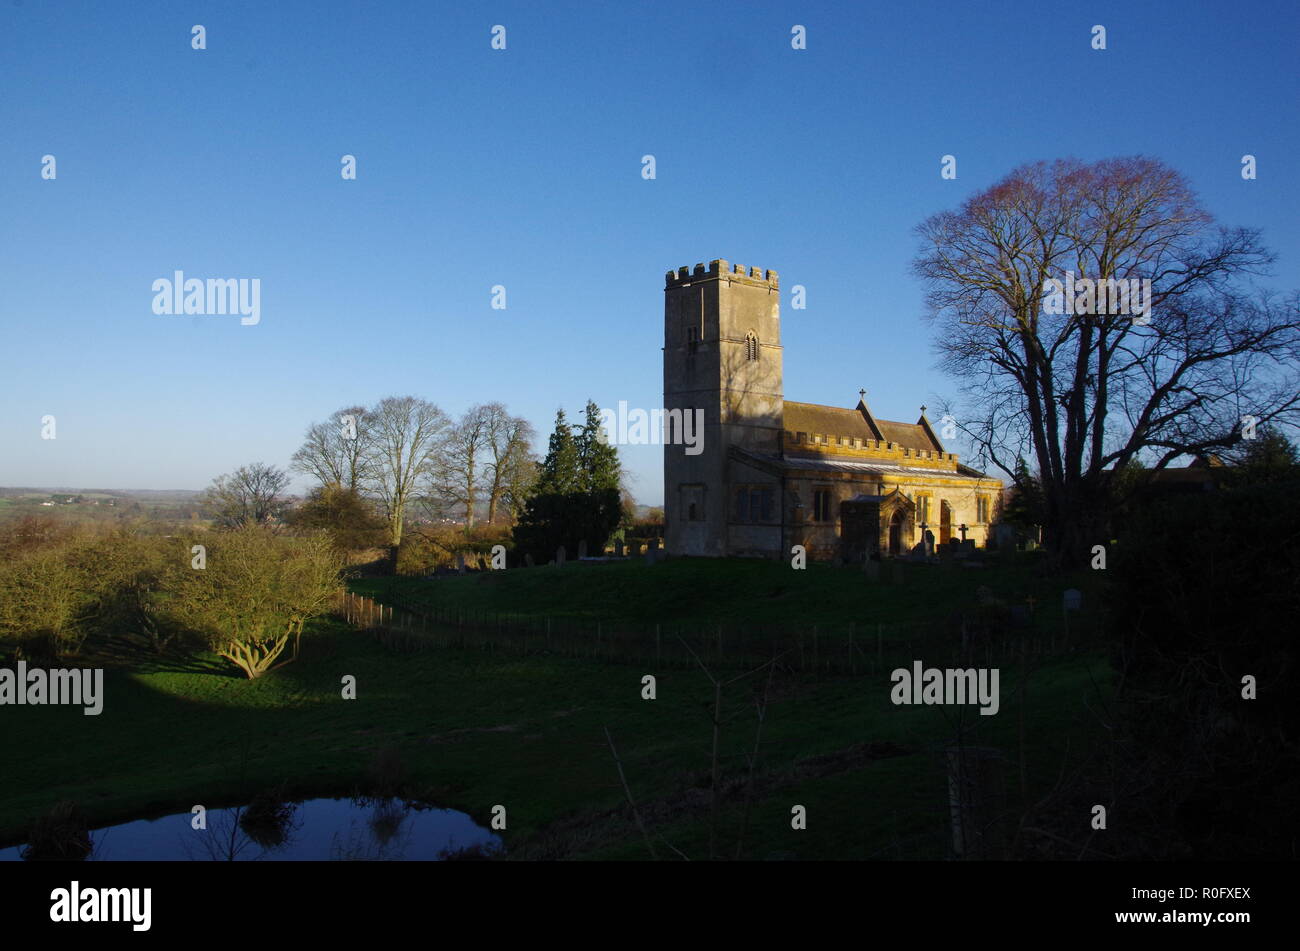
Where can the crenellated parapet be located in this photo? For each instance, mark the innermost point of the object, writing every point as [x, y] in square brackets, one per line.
[718, 269]
[867, 450]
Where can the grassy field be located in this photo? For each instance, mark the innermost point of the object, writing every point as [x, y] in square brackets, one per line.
[475, 729]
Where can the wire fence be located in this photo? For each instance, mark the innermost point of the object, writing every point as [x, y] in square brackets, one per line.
[847, 648]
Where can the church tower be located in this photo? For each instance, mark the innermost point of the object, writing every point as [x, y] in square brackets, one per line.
[722, 355]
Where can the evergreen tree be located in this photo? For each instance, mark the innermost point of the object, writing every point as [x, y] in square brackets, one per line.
[577, 494]
[597, 457]
[562, 468]
[602, 478]
[1024, 509]
[1268, 458]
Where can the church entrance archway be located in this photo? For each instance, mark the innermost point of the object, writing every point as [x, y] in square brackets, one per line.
[896, 534]
[945, 522]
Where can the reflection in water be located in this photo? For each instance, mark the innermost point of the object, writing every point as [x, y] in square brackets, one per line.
[268, 820]
[381, 839]
[61, 835]
[252, 832]
[361, 829]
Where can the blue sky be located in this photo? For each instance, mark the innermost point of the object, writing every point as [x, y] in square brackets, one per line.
[522, 168]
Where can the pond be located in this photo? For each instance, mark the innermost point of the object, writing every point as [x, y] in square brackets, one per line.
[311, 830]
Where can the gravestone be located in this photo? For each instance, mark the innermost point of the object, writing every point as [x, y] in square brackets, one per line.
[651, 553]
[618, 548]
[654, 543]
[582, 548]
[559, 557]
[1072, 600]
[528, 559]
[460, 562]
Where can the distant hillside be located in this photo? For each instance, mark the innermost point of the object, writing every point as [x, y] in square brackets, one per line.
[139, 495]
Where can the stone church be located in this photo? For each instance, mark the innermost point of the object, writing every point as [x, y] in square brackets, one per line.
[772, 473]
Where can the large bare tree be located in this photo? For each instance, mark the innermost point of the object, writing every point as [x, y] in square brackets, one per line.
[510, 467]
[406, 438]
[1075, 385]
[336, 452]
[456, 481]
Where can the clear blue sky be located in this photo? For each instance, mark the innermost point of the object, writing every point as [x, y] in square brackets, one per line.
[522, 168]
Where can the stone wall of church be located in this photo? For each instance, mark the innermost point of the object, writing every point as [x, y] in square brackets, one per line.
[816, 525]
[753, 522]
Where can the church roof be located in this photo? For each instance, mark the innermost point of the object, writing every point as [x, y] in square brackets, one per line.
[862, 468]
[828, 420]
[908, 435]
[857, 422]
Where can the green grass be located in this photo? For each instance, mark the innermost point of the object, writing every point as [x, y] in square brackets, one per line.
[733, 591]
[476, 729]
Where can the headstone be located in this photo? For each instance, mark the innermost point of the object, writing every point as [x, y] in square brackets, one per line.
[618, 548]
[582, 548]
[650, 553]
[1072, 600]
[528, 559]
[559, 557]
[460, 562]
[929, 543]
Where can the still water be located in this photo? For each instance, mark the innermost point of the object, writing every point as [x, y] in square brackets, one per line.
[312, 830]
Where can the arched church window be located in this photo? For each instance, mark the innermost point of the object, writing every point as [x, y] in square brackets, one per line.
[751, 346]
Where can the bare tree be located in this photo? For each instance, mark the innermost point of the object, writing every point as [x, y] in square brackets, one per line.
[336, 451]
[1091, 386]
[509, 469]
[406, 438]
[457, 478]
[250, 494]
